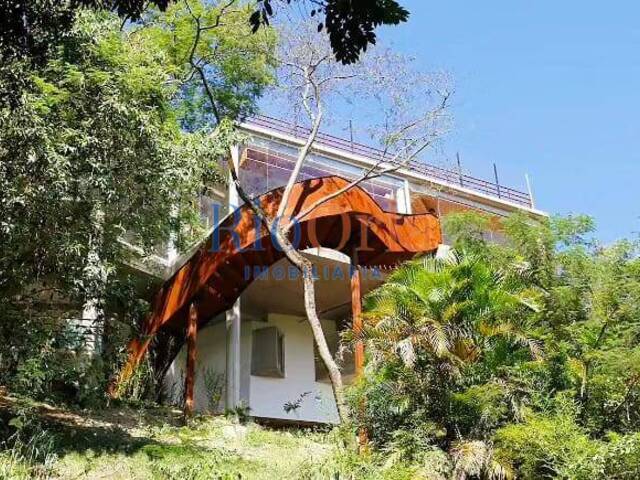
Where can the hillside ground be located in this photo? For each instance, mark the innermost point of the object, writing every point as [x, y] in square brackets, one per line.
[151, 442]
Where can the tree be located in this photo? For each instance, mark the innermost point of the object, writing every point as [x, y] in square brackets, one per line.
[96, 150]
[30, 33]
[350, 24]
[426, 329]
[551, 392]
[222, 68]
[445, 309]
[308, 80]
[32, 28]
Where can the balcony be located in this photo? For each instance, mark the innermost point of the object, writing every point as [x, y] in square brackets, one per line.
[264, 168]
[449, 178]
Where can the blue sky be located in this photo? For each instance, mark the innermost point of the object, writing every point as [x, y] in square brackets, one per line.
[551, 88]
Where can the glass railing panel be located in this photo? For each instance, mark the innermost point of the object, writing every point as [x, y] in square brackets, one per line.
[265, 169]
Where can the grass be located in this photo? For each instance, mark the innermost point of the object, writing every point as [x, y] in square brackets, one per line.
[45, 442]
[148, 443]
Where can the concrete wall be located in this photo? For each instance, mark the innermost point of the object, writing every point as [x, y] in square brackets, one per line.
[269, 395]
[211, 345]
[265, 396]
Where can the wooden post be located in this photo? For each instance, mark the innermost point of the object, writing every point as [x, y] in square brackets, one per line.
[189, 380]
[356, 313]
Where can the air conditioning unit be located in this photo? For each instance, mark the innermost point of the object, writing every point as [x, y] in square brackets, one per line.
[267, 353]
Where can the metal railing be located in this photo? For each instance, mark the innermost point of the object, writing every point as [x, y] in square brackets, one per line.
[449, 177]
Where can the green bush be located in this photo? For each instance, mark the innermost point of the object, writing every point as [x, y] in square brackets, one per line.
[548, 447]
[619, 459]
[511, 359]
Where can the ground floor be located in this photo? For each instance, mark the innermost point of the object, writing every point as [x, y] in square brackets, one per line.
[261, 353]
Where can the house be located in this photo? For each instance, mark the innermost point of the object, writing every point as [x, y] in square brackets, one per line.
[235, 305]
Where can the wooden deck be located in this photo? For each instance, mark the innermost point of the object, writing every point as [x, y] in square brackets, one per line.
[215, 276]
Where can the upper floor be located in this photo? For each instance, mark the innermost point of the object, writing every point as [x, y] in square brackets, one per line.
[412, 187]
[269, 155]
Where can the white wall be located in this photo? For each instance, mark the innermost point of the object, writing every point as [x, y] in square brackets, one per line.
[268, 395]
[211, 346]
[265, 396]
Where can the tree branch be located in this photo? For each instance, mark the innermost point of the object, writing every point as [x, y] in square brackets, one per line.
[304, 152]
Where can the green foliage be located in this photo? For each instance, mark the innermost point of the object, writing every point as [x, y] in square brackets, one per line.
[466, 230]
[214, 386]
[191, 462]
[619, 459]
[350, 25]
[42, 351]
[152, 443]
[31, 29]
[546, 383]
[222, 67]
[44, 354]
[26, 448]
[95, 152]
[430, 324]
[98, 134]
[548, 446]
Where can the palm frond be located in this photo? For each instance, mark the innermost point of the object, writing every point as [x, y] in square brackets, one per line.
[474, 459]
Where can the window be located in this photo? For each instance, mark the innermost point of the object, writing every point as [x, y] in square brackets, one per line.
[267, 353]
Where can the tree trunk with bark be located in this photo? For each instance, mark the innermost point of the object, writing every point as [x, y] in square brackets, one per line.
[308, 281]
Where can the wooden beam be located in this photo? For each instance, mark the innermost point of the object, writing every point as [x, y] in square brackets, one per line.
[136, 349]
[356, 313]
[398, 236]
[189, 380]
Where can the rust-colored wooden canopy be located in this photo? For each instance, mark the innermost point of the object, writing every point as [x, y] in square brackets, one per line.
[215, 276]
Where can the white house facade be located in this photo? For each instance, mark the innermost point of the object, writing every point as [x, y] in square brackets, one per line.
[259, 354]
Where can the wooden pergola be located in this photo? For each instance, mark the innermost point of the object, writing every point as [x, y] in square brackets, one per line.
[213, 278]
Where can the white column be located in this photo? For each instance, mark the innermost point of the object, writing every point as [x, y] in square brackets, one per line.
[403, 195]
[233, 356]
[172, 251]
[90, 326]
[233, 317]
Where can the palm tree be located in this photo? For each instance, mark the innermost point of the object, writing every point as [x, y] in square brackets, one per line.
[431, 318]
[449, 309]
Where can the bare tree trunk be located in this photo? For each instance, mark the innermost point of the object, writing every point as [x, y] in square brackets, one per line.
[308, 280]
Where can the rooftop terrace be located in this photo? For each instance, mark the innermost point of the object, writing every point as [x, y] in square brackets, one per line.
[454, 179]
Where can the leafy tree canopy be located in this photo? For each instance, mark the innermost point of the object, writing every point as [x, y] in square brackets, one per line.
[511, 359]
[99, 131]
[96, 151]
[30, 28]
[350, 24]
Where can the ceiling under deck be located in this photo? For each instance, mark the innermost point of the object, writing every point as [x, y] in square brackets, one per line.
[278, 291]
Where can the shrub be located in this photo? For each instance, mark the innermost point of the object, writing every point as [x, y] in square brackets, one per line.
[548, 447]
